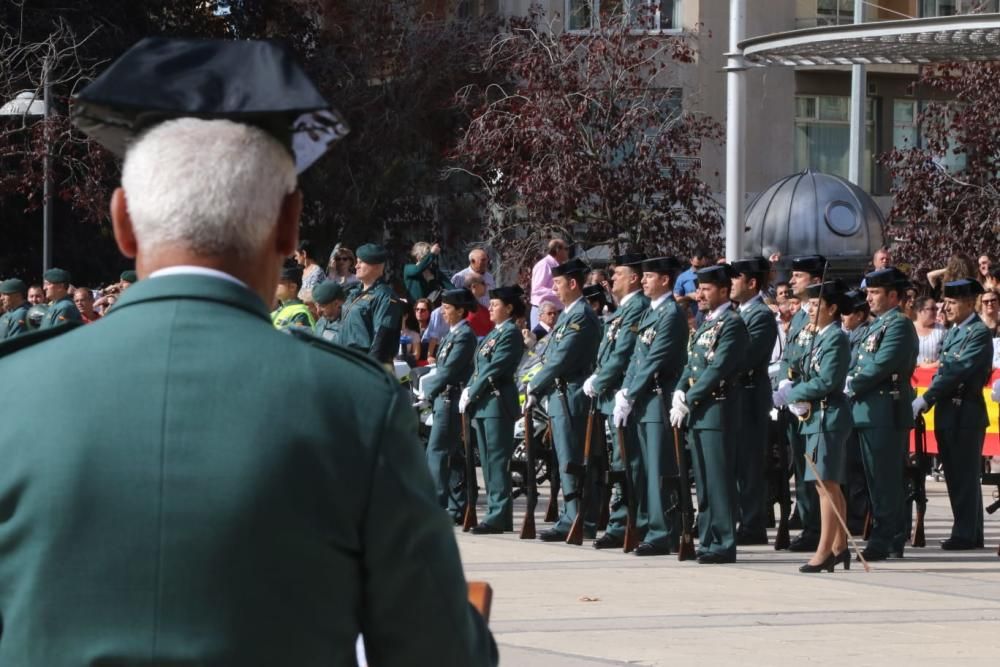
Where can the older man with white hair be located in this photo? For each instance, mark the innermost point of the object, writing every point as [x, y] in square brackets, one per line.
[238, 496]
[479, 265]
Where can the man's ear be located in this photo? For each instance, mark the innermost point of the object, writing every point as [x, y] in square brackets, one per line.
[287, 238]
[121, 224]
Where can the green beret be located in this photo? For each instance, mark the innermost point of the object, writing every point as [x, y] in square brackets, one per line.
[13, 286]
[129, 277]
[327, 292]
[57, 276]
[371, 253]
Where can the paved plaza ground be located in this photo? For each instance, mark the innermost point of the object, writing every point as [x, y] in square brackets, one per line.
[557, 605]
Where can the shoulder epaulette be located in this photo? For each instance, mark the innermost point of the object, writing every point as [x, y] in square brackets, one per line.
[30, 338]
[308, 337]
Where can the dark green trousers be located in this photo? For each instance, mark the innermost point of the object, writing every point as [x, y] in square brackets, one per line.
[751, 479]
[961, 453]
[883, 451]
[806, 495]
[445, 461]
[567, 436]
[657, 446]
[495, 438]
[618, 517]
[715, 481]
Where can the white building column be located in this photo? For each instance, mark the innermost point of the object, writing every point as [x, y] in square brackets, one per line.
[859, 99]
[735, 131]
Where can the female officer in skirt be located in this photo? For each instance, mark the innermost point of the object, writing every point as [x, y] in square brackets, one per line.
[491, 402]
[817, 398]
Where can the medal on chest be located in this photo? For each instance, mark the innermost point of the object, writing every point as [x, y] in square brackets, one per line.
[488, 346]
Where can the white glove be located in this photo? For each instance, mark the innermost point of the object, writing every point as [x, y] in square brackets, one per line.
[677, 416]
[463, 401]
[799, 408]
[680, 398]
[529, 402]
[847, 386]
[919, 405]
[421, 404]
[419, 393]
[996, 391]
[622, 409]
[780, 398]
[588, 387]
[785, 385]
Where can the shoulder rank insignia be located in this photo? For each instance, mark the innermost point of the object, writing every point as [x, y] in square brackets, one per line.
[574, 326]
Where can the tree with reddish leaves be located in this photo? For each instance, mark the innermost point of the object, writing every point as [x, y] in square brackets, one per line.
[939, 210]
[583, 135]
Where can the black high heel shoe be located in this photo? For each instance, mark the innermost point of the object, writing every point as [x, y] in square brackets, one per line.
[825, 565]
[843, 557]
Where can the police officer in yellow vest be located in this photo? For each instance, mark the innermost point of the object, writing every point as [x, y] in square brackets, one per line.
[291, 312]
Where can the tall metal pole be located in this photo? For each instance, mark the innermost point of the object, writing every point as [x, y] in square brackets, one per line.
[47, 174]
[859, 84]
[735, 130]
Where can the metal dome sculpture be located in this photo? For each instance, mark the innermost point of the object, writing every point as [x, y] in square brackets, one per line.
[815, 213]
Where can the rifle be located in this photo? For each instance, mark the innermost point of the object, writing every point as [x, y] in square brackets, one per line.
[530, 485]
[575, 535]
[918, 479]
[685, 550]
[781, 539]
[552, 511]
[471, 486]
[631, 531]
[604, 477]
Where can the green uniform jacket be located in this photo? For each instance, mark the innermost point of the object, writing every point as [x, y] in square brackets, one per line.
[957, 387]
[61, 310]
[416, 285]
[856, 337]
[494, 367]
[762, 332]
[659, 355]
[370, 321]
[260, 498]
[715, 358]
[569, 357]
[14, 322]
[454, 366]
[880, 377]
[327, 329]
[796, 342]
[615, 351]
[822, 383]
[292, 313]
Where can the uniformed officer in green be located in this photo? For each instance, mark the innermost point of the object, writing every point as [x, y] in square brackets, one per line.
[56, 282]
[657, 361]
[817, 400]
[442, 389]
[806, 270]
[613, 356]
[491, 403]
[960, 418]
[14, 320]
[855, 320]
[879, 387]
[566, 364]
[234, 495]
[329, 297]
[707, 399]
[372, 316]
[755, 389]
[291, 312]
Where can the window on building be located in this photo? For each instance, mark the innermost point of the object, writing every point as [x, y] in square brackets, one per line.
[656, 14]
[823, 136]
[906, 132]
[954, 7]
[834, 12]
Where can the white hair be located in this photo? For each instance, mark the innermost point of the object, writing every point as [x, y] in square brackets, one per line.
[213, 186]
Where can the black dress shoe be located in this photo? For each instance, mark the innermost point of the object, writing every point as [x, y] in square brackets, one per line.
[647, 549]
[715, 559]
[873, 555]
[896, 553]
[552, 535]
[953, 544]
[607, 541]
[843, 557]
[827, 565]
[485, 529]
[804, 543]
[457, 520]
[750, 539]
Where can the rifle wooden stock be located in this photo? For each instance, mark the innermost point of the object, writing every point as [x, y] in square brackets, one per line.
[919, 481]
[530, 483]
[552, 511]
[685, 549]
[481, 597]
[631, 530]
[781, 537]
[470, 519]
[575, 535]
[604, 475]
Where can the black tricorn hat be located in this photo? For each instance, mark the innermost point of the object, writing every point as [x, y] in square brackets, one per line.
[716, 274]
[890, 277]
[962, 289]
[591, 292]
[812, 264]
[460, 298]
[855, 300]
[631, 259]
[512, 295]
[573, 267]
[663, 265]
[253, 82]
[751, 265]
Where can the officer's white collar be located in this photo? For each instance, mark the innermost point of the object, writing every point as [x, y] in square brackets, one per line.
[578, 300]
[628, 296]
[189, 270]
[829, 324]
[655, 303]
[457, 325]
[967, 320]
[749, 302]
[718, 311]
